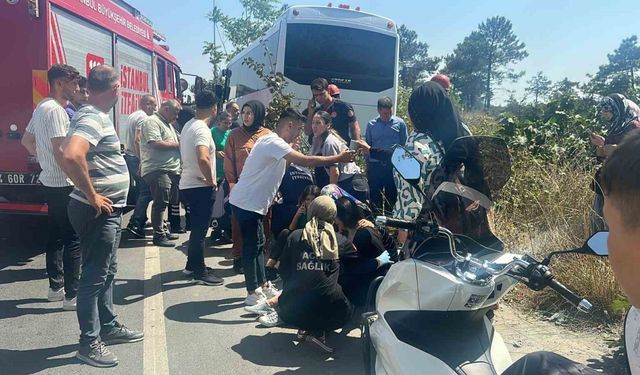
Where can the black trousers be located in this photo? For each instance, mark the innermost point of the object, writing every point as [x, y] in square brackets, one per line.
[201, 202]
[63, 245]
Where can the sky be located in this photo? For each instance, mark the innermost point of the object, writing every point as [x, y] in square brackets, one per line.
[564, 38]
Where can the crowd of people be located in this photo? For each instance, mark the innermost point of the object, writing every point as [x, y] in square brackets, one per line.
[302, 220]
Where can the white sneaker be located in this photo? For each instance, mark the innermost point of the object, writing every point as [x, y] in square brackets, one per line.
[262, 308]
[55, 295]
[69, 304]
[270, 320]
[271, 291]
[255, 298]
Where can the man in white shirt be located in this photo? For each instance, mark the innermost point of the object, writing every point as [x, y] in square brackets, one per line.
[198, 184]
[257, 187]
[148, 105]
[44, 136]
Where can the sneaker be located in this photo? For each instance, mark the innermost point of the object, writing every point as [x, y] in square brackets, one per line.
[270, 290]
[270, 320]
[135, 230]
[262, 308]
[188, 272]
[178, 231]
[163, 242]
[319, 341]
[120, 334]
[69, 304]
[207, 278]
[255, 298]
[96, 354]
[237, 266]
[172, 235]
[55, 295]
[148, 225]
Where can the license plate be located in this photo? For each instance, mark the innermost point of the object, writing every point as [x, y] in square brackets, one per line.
[16, 178]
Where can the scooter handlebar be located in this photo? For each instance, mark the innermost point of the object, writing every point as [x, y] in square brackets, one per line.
[579, 302]
[395, 223]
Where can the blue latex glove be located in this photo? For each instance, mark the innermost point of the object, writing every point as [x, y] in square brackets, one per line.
[383, 259]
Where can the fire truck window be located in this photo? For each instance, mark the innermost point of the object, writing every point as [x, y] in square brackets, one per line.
[176, 73]
[162, 74]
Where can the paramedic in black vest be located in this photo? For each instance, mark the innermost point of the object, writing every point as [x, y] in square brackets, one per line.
[343, 117]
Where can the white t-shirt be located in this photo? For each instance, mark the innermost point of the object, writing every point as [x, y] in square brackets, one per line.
[134, 121]
[49, 120]
[195, 133]
[261, 175]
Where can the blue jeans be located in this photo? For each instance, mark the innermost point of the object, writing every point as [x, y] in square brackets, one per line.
[139, 216]
[99, 241]
[252, 233]
[201, 202]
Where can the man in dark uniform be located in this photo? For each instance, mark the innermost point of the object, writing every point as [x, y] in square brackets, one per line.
[343, 117]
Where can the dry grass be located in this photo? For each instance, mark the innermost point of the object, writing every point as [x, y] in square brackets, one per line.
[544, 208]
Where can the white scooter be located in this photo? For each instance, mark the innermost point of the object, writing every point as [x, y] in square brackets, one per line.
[429, 314]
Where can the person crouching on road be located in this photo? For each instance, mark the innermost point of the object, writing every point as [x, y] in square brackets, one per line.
[93, 161]
[311, 300]
[198, 183]
[257, 187]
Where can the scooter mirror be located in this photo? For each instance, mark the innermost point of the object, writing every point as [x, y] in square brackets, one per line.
[406, 164]
[598, 243]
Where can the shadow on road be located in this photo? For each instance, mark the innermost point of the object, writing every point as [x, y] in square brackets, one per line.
[198, 311]
[19, 362]
[24, 274]
[12, 308]
[279, 349]
[615, 362]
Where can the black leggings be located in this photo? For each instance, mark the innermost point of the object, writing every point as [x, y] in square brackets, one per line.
[278, 247]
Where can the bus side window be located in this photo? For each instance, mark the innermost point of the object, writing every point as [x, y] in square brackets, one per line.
[162, 74]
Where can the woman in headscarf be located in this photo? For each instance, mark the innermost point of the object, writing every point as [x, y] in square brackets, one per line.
[436, 126]
[621, 116]
[239, 144]
[311, 298]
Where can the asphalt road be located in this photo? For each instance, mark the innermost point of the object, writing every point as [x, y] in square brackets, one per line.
[189, 329]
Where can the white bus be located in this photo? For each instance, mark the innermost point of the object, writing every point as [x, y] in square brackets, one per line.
[357, 51]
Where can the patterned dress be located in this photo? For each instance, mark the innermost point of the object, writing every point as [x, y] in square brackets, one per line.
[425, 149]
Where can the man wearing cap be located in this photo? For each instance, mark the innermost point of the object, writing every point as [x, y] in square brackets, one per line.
[334, 91]
[343, 116]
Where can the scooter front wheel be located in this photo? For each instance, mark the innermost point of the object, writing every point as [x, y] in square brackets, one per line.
[368, 351]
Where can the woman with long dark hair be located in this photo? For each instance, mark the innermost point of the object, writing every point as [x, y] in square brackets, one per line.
[436, 126]
[327, 142]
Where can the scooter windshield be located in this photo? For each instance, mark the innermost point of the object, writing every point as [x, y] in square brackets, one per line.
[463, 187]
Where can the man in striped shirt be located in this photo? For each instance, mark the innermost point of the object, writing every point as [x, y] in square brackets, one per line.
[45, 133]
[93, 161]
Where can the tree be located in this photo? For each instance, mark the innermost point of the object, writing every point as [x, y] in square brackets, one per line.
[539, 87]
[257, 16]
[464, 67]
[502, 48]
[565, 87]
[485, 58]
[414, 57]
[619, 74]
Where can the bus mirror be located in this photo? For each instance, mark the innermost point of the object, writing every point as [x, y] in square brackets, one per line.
[199, 85]
[184, 85]
[219, 90]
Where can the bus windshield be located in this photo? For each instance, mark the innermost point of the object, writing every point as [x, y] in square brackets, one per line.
[353, 59]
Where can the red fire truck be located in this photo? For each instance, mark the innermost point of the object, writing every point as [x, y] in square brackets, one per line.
[35, 34]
